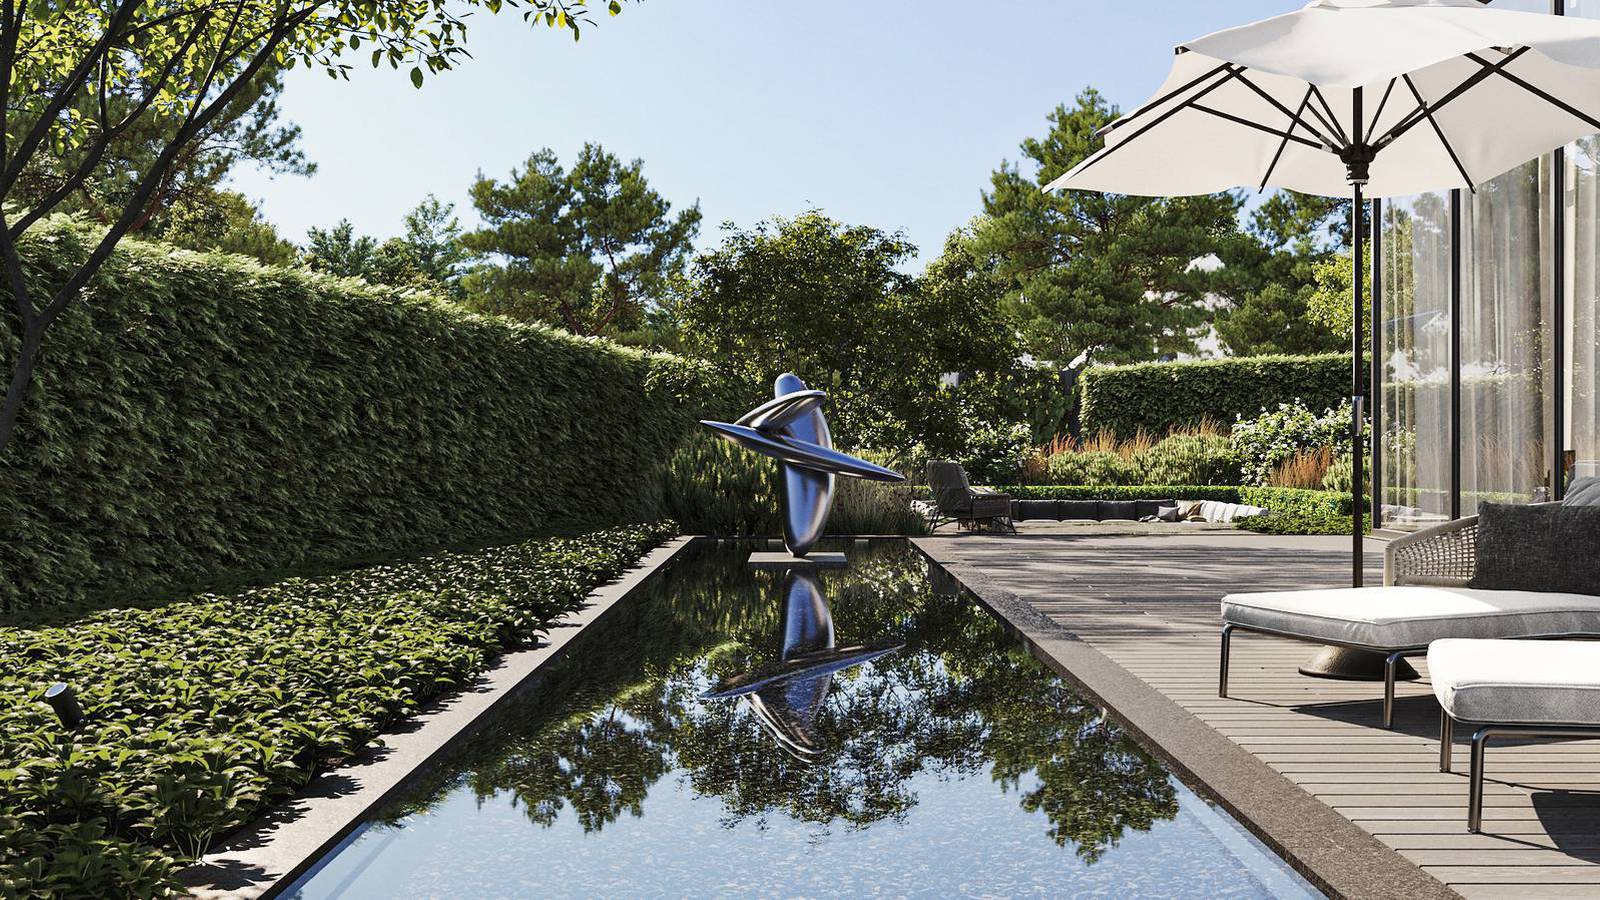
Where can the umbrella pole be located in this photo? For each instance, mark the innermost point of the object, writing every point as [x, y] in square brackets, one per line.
[1357, 414]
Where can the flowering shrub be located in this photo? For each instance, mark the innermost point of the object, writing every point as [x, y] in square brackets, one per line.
[1270, 439]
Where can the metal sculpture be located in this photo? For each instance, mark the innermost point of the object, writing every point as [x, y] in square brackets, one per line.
[791, 429]
[787, 698]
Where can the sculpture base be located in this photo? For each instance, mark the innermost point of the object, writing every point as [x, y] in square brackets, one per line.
[784, 560]
[1345, 664]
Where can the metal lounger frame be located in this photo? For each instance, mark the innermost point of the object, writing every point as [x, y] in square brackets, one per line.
[1480, 746]
[1390, 661]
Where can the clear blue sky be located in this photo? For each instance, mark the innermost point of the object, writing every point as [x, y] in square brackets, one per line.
[890, 113]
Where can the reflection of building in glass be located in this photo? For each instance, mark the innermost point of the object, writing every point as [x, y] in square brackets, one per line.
[787, 698]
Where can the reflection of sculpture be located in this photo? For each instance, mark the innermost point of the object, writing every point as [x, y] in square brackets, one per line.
[790, 428]
[787, 698]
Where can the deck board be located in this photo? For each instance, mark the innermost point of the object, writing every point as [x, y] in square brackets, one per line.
[1150, 605]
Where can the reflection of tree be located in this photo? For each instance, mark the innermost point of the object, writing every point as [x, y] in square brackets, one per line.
[959, 698]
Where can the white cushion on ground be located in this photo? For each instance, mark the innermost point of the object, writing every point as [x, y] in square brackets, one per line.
[1394, 618]
[1217, 511]
[1517, 682]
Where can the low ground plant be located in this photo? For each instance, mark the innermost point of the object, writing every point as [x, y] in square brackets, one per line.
[203, 711]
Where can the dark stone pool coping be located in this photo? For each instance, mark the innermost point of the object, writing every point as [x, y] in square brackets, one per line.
[267, 857]
[1332, 852]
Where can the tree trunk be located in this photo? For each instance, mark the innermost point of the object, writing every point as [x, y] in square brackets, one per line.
[21, 379]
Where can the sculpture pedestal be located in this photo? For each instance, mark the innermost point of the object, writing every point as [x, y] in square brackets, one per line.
[783, 560]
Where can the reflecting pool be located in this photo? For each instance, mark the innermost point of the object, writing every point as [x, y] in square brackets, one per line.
[856, 731]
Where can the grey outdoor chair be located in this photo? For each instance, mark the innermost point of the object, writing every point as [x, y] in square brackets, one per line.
[956, 500]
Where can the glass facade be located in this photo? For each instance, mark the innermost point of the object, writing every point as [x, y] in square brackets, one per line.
[1489, 342]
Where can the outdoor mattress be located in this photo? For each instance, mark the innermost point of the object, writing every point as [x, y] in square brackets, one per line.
[1517, 682]
[1398, 618]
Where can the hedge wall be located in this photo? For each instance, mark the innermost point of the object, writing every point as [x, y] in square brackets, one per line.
[202, 416]
[1158, 397]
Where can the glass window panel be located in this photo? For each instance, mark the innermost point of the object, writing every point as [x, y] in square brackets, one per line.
[1505, 313]
[1415, 344]
[1581, 206]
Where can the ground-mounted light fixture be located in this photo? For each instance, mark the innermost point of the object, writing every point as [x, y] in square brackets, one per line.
[64, 701]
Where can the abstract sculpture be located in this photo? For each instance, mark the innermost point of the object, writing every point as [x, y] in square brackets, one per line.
[791, 429]
[787, 698]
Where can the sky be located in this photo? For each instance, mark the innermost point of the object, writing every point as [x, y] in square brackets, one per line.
[888, 113]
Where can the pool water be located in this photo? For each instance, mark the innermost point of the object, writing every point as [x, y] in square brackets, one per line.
[730, 732]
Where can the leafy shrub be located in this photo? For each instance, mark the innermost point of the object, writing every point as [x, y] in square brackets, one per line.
[1160, 397]
[1093, 467]
[1269, 440]
[713, 487]
[995, 452]
[203, 711]
[204, 416]
[1192, 459]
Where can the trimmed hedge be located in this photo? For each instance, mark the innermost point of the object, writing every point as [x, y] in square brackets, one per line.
[203, 712]
[199, 416]
[1158, 397]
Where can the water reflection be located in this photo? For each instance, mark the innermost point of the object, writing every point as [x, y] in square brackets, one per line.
[787, 698]
[960, 700]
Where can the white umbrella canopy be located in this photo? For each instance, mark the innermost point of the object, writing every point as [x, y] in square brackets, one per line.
[1451, 93]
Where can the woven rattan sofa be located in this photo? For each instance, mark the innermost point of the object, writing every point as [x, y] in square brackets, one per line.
[1425, 598]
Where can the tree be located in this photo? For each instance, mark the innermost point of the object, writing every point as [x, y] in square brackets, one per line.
[1107, 277]
[1269, 276]
[590, 250]
[246, 130]
[340, 251]
[426, 257]
[829, 302]
[226, 221]
[77, 78]
[433, 237]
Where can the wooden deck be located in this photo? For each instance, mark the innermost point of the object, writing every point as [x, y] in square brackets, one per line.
[1150, 605]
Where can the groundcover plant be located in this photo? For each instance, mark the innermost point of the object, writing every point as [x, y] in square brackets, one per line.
[203, 710]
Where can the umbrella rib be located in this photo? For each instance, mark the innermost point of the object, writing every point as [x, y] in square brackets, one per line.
[1284, 144]
[1373, 128]
[1541, 94]
[1160, 100]
[1424, 111]
[1335, 127]
[1294, 117]
[1241, 120]
[1440, 133]
[1233, 72]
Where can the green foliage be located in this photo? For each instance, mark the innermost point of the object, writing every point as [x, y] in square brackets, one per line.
[1157, 398]
[225, 221]
[829, 303]
[713, 487]
[1191, 459]
[1092, 467]
[1268, 440]
[205, 416]
[590, 250]
[1268, 273]
[1106, 276]
[1292, 510]
[204, 711]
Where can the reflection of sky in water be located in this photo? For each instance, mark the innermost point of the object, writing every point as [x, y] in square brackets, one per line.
[963, 838]
[960, 756]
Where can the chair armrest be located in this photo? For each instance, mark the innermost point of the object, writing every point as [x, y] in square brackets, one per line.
[1444, 555]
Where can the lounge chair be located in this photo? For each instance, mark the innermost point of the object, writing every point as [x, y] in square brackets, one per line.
[1516, 689]
[1425, 598]
[956, 500]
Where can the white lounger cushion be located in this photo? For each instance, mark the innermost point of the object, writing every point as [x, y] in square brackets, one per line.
[1396, 618]
[1518, 682]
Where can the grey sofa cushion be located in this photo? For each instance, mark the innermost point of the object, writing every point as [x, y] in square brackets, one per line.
[1538, 548]
[1517, 682]
[1395, 618]
[1119, 510]
[1583, 492]
[1078, 509]
[1033, 509]
[1166, 514]
[1147, 508]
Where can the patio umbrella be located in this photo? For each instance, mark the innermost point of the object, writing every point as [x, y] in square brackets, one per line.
[1357, 98]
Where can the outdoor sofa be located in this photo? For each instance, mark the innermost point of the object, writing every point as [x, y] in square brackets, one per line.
[1159, 510]
[1514, 689]
[1425, 598]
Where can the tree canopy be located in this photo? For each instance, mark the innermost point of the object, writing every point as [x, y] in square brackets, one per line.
[592, 249]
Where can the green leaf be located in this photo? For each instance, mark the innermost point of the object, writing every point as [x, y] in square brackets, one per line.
[416, 76]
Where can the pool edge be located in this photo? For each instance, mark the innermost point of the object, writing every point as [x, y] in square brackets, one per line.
[1334, 854]
[281, 845]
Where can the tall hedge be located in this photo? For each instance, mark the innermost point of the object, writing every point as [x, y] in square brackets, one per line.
[199, 416]
[1157, 397]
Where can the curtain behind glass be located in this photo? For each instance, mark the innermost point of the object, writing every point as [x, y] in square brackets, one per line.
[1415, 345]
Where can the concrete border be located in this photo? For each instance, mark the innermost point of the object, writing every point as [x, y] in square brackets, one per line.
[1332, 852]
[264, 858]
